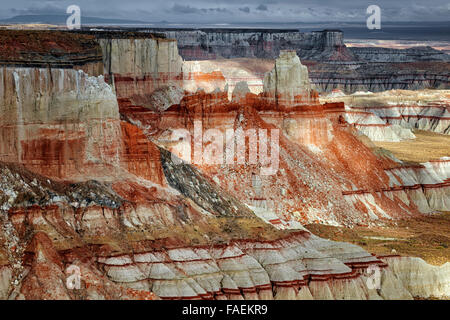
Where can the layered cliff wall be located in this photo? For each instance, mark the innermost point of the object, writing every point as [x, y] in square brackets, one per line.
[52, 111]
[380, 54]
[147, 69]
[206, 44]
[58, 131]
[377, 77]
[139, 64]
[325, 45]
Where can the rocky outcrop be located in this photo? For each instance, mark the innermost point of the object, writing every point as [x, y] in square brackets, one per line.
[147, 70]
[288, 83]
[432, 179]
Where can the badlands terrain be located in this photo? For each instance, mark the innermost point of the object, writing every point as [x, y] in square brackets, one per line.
[113, 166]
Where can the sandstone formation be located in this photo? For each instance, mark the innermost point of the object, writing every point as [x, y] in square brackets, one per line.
[89, 186]
[148, 71]
[289, 81]
[434, 179]
[139, 64]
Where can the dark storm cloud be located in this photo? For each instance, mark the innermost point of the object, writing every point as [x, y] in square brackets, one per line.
[182, 9]
[226, 11]
[177, 8]
[261, 7]
[245, 9]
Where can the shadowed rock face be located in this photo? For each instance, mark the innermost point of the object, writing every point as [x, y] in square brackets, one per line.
[98, 195]
[376, 76]
[193, 185]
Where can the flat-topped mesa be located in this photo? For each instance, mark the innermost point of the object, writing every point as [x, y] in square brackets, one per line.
[54, 49]
[288, 85]
[330, 37]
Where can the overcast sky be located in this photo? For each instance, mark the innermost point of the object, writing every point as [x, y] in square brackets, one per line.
[237, 11]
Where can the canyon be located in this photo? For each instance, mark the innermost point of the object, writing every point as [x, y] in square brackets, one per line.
[92, 180]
